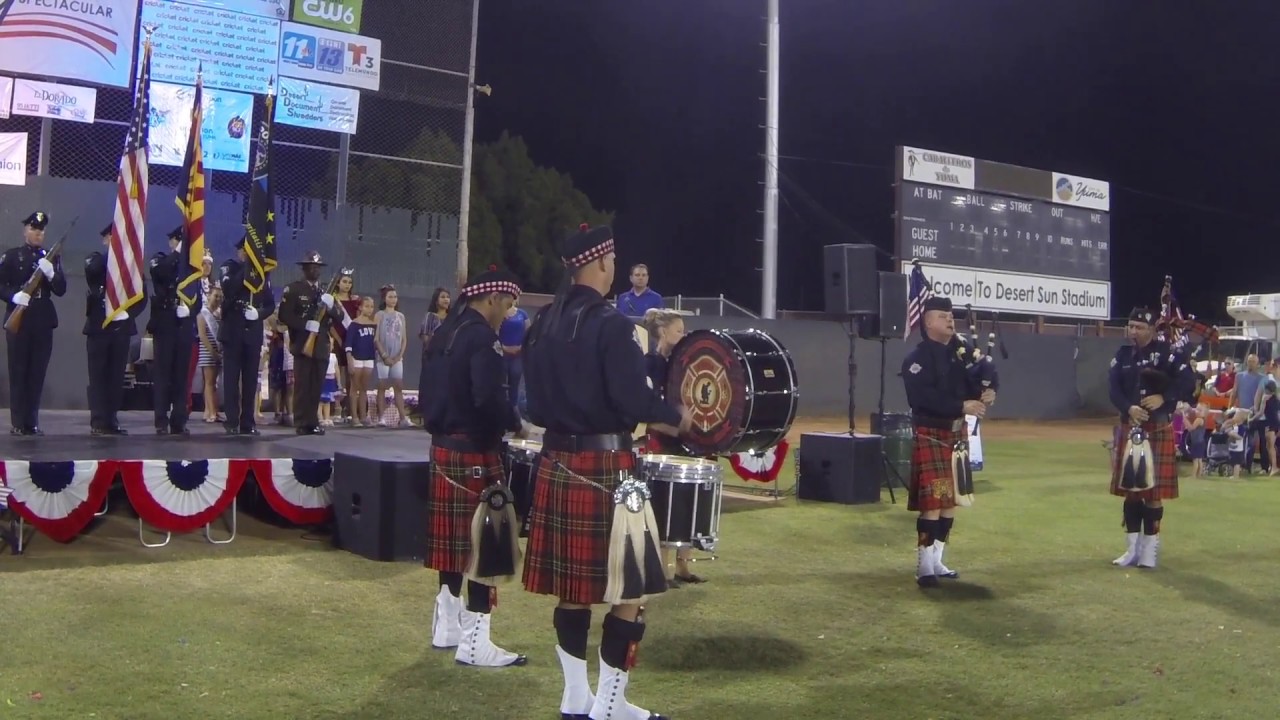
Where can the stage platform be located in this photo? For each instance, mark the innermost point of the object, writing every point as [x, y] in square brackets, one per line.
[66, 437]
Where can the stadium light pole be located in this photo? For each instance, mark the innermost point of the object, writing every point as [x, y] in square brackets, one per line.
[769, 268]
[468, 130]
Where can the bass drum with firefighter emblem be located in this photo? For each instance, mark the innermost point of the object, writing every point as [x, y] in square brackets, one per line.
[740, 386]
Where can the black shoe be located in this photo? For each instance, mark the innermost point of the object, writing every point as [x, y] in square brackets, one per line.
[231, 429]
[179, 430]
[117, 430]
[250, 431]
[690, 579]
[97, 432]
[33, 430]
[162, 431]
[15, 430]
[310, 430]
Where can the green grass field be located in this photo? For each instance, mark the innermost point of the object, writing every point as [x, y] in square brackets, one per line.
[811, 611]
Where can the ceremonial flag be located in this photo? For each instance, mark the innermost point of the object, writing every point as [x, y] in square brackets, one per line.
[260, 225]
[917, 294]
[128, 228]
[191, 197]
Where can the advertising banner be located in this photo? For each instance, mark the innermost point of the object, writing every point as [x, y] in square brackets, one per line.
[228, 125]
[1023, 294]
[60, 102]
[1076, 190]
[341, 15]
[278, 9]
[326, 56]
[86, 40]
[239, 51]
[323, 107]
[13, 158]
[6, 96]
[936, 168]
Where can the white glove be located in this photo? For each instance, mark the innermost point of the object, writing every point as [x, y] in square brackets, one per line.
[327, 299]
[313, 326]
[251, 313]
[122, 315]
[46, 267]
[183, 311]
[21, 299]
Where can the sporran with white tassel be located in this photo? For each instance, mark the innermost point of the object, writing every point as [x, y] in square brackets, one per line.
[1138, 473]
[495, 531]
[636, 570]
[962, 473]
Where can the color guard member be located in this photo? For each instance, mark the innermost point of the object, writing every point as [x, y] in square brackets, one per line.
[173, 335]
[592, 539]
[467, 412]
[298, 306]
[107, 347]
[32, 345]
[240, 333]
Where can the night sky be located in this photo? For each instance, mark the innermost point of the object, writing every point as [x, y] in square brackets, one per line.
[654, 107]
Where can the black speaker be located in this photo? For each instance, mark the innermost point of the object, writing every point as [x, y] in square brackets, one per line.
[891, 319]
[380, 506]
[839, 468]
[849, 274]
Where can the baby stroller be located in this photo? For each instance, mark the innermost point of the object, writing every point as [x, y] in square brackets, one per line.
[1218, 454]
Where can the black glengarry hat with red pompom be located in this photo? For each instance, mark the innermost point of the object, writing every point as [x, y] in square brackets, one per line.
[587, 245]
[491, 281]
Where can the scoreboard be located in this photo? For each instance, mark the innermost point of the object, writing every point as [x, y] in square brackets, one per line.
[1005, 238]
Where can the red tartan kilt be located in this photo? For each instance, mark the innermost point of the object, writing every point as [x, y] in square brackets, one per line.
[570, 522]
[1160, 438]
[450, 509]
[932, 486]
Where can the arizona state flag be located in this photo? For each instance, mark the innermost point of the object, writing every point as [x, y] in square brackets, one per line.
[260, 224]
[191, 197]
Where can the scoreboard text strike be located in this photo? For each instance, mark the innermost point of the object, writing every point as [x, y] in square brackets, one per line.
[1005, 238]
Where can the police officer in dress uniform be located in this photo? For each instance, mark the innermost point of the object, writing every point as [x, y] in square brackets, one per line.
[941, 391]
[1147, 380]
[173, 332]
[586, 385]
[240, 333]
[107, 347]
[467, 410]
[30, 347]
[298, 306]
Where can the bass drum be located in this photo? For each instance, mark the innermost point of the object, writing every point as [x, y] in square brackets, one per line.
[740, 386]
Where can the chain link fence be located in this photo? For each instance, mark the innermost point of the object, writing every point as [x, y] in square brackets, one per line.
[385, 201]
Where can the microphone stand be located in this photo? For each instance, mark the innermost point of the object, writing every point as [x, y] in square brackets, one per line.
[884, 457]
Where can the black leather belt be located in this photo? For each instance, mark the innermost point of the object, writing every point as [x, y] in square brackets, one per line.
[559, 442]
[462, 443]
[939, 423]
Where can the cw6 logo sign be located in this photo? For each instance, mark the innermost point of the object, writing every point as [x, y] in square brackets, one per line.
[341, 15]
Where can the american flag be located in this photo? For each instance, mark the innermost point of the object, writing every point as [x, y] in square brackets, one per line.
[124, 252]
[191, 197]
[919, 291]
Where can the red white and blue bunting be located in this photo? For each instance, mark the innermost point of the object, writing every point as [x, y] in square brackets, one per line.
[760, 466]
[300, 490]
[180, 495]
[58, 498]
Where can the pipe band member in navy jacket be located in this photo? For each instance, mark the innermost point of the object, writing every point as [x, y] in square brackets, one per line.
[1148, 378]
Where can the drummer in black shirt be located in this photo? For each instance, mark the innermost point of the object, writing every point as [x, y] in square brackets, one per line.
[586, 385]
[666, 328]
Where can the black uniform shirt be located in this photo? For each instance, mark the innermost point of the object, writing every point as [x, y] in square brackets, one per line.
[298, 304]
[1127, 366]
[585, 373]
[937, 383]
[234, 328]
[16, 267]
[95, 303]
[466, 388]
[166, 274]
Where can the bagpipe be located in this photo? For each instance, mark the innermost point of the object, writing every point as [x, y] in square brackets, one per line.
[979, 363]
[1183, 333]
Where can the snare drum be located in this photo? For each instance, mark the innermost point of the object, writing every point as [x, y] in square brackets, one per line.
[522, 470]
[740, 386]
[686, 495]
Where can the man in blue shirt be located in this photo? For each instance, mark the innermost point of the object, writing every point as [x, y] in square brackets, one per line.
[1248, 396]
[634, 303]
[511, 335]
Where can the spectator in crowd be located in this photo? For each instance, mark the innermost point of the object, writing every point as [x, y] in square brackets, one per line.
[350, 302]
[1225, 381]
[1247, 395]
[634, 303]
[1270, 423]
[391, 341]
[436, 312]
[361, 351]
[511, 335]
[209, 357]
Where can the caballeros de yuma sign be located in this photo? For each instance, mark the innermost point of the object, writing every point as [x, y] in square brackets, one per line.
[341, 15]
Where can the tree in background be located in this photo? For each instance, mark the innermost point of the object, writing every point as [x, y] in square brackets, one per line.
[519, 212]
